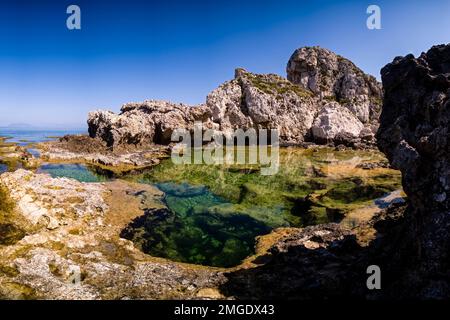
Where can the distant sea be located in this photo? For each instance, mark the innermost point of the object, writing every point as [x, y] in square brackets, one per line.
[24, 136]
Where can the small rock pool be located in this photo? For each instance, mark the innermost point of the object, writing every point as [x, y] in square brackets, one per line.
[79, 172]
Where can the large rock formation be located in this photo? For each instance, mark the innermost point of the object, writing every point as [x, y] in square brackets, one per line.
[321, 84]
[415, 135]
[144, 123]
[263, 102]
[333, 77]
[412, 242]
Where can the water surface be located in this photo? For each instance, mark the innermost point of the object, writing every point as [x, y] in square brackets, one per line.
[80, 172]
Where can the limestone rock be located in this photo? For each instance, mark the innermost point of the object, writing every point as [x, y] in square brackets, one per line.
[72, 249]
[263, 102]
[44, 200]
[316, 78]
[333, 77]
[333, 120]
[143, 124]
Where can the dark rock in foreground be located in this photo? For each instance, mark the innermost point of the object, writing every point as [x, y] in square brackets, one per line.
[415, 135]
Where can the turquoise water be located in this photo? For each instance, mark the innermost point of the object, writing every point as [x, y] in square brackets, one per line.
[3, 168]
[79, 172]
[25, 136]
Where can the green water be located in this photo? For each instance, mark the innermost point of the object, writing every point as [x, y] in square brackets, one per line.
[214, 213]
[195, 228]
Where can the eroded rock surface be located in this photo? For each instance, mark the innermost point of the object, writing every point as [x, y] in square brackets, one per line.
[415, 135]
[333, 77]
[81, 148]
[319, 83]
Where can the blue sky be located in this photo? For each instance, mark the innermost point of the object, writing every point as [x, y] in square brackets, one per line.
[180, 50]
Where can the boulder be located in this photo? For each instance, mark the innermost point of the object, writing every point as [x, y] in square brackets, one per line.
[333, 120]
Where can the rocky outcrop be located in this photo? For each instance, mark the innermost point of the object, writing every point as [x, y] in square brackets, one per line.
[309, 263]
[83, 149]
[263, 102]
[333, 77]
[143, 124]
[318, 81]
[410, 242]
[415, 135]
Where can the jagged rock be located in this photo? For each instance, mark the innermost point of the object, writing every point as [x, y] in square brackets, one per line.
[415, 136]
[333, 77]
[263, 102]
[260, 101]
[146, 123]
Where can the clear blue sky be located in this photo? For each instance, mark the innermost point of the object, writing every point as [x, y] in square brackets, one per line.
[180, 50]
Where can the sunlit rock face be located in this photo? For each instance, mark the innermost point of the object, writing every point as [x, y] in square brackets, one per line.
[414, 134]
[263, 101]
[333, 77]
[144, 123]
[318, 80]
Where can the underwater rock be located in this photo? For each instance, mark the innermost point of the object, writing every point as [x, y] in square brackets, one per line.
[202, 237]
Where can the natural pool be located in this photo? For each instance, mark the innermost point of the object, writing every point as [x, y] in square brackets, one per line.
[214, 213]
[76, 171]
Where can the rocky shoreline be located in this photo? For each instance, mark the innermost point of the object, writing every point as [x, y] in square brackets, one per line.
[325, 99]
[61, 238]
